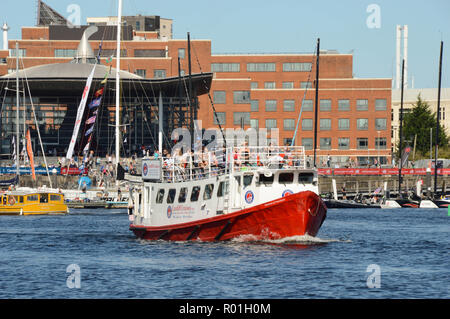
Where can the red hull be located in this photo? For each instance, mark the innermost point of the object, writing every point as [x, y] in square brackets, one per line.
[294, 215]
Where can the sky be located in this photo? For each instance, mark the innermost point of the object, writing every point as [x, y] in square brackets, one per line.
[364, 28]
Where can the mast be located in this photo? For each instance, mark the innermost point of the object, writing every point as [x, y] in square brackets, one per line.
[119, 29]
[401, 137]
[437, 120]
[316, 109]
[17, 110]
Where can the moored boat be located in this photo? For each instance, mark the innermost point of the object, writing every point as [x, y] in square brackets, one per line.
[257, 193]
[32, 203]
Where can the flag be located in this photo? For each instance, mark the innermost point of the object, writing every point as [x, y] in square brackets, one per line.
[80, 113]
[96, 102]
[30, 154]
[91, 120]
[108, 60]
[99, 92]
[377, 191]
[89, 131]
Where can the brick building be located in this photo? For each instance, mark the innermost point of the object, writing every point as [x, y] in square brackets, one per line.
[248, 90]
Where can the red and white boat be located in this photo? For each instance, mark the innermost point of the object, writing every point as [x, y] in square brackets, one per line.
[254, 193]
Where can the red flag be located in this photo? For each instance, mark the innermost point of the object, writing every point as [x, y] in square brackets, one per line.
[99, 92]
[30, 154]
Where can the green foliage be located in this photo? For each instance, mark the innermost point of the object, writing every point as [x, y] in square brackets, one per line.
[418, 123]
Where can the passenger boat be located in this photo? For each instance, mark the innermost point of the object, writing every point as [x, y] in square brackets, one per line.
[256, 194]
[32, 203]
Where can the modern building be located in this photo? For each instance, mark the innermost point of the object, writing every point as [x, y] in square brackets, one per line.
[247, 90]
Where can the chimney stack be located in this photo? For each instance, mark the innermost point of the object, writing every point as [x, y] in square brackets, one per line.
[5, 29]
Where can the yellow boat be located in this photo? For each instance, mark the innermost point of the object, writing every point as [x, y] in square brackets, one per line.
[32, 203]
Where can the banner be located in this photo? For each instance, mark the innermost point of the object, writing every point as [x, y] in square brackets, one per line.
[80, 113]
[30, 155]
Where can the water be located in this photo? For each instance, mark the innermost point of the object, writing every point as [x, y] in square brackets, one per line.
[410, 248]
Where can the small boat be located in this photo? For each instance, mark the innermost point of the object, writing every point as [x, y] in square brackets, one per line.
[32, 203]
[442, 202]
[256, 200]
[342, 203]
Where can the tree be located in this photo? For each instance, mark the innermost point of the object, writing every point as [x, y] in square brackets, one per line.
[417, 124]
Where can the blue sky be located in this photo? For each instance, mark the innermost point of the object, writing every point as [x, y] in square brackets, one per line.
[288, 26]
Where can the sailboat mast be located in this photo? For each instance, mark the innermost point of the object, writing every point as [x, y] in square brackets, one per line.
[119, 29]
[400, 132]
[316, 108]
[17, 110]
[437, 120]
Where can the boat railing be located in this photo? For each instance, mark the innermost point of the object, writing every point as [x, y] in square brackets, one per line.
[207, 164]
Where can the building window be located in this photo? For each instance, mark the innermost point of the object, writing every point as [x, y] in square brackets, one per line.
[287, 141]
[181, 53]
[344, 143]
[307, 125]
[219, 97]
[254, 123]
[297, 67]
[288, 85]
[219, 118]
[241, 97]
[141, 72]
[271, 123]
[325, 105]
[254, 105]
[269, 85]
[159, 74]
[344, 124]
[289, 105]
[271, 105]
[225, 67]
[325, 143]
[343, 105]
[308, 105]
[380, 143]
[65, 53]
[380, 105]
[307, 143]
[362, 124]
[149, 53]
[380, 124]
[289, 124]
[241, 118]
[305, 85]
[362, 143]
[260, 67]
[22, 53]
[253, 85]
[325, 124]
[362, 105]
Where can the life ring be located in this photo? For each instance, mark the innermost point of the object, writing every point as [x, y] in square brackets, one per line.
[11, 200]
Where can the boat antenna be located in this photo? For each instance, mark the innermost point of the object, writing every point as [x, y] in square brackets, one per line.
[437, 120]
[400, 132]
[316, 101]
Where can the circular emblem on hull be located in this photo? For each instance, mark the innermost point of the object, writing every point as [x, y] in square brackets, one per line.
[169, 211]
[145, 169]
[249, 197]
[287, 192]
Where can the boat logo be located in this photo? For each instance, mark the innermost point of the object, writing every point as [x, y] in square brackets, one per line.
[145, 169]
[287, 192]
[249, 197]
[169, 211]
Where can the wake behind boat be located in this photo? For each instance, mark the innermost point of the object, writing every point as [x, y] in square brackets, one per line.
[262, 192]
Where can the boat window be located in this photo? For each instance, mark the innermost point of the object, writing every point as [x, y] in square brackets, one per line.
[4, 200]
[248, 180]
[32, 198]
[43, 198]
[286, 178]
[222, 189]
[266, 179]
[183, 195]
[305, 178]
[55, 198]
[171, 195]
[195, 193]
[20, 199]
[208, 191]
[160, 196]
